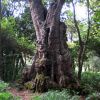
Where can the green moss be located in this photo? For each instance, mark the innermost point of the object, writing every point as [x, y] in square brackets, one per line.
[40, 84]
[29, 85]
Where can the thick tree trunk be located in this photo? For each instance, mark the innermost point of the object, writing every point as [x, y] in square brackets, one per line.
[53, 57]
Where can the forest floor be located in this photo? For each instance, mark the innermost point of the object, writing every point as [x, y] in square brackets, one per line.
[27, 95]
[23, 94]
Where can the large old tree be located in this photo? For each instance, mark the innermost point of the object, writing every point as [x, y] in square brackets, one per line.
[52, 58]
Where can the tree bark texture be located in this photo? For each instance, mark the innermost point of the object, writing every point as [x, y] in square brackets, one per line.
[52, 57]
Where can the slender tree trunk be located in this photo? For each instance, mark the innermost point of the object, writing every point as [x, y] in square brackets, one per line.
[53, 57]
[82, 45]
[80, 60]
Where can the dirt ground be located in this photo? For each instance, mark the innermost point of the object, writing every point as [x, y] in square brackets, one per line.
[23, 94]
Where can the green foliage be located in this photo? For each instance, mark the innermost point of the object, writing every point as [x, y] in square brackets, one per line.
[73, 49]
[3, 86]
[92, 60]
[91, 81]
[14, 46]
[90, 84]
[6, 96]
[93, 96]
[36, 98]
[4, 2]
[24, 26]
[56, 95]
[8, 26]
[65, 95]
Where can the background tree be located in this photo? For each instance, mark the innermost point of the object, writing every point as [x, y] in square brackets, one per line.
[13, 46]
[83, 30]
[82, 44]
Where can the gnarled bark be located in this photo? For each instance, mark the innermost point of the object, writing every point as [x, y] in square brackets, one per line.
[53, 57]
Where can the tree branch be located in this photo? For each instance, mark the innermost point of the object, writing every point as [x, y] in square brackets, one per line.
[76, 25]
[54, 10]
[38, 13]
[88, 30]
[37, 7]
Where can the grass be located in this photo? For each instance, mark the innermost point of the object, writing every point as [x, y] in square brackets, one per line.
[56, 95]
[65, 95]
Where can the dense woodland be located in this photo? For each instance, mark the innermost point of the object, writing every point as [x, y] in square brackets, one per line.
[50, 50]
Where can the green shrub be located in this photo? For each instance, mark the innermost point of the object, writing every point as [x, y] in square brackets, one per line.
[36, 98]
[57, 95]
[65, 95]
[6, 96]
[93, 96]
[91, 80]
[3, 86]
